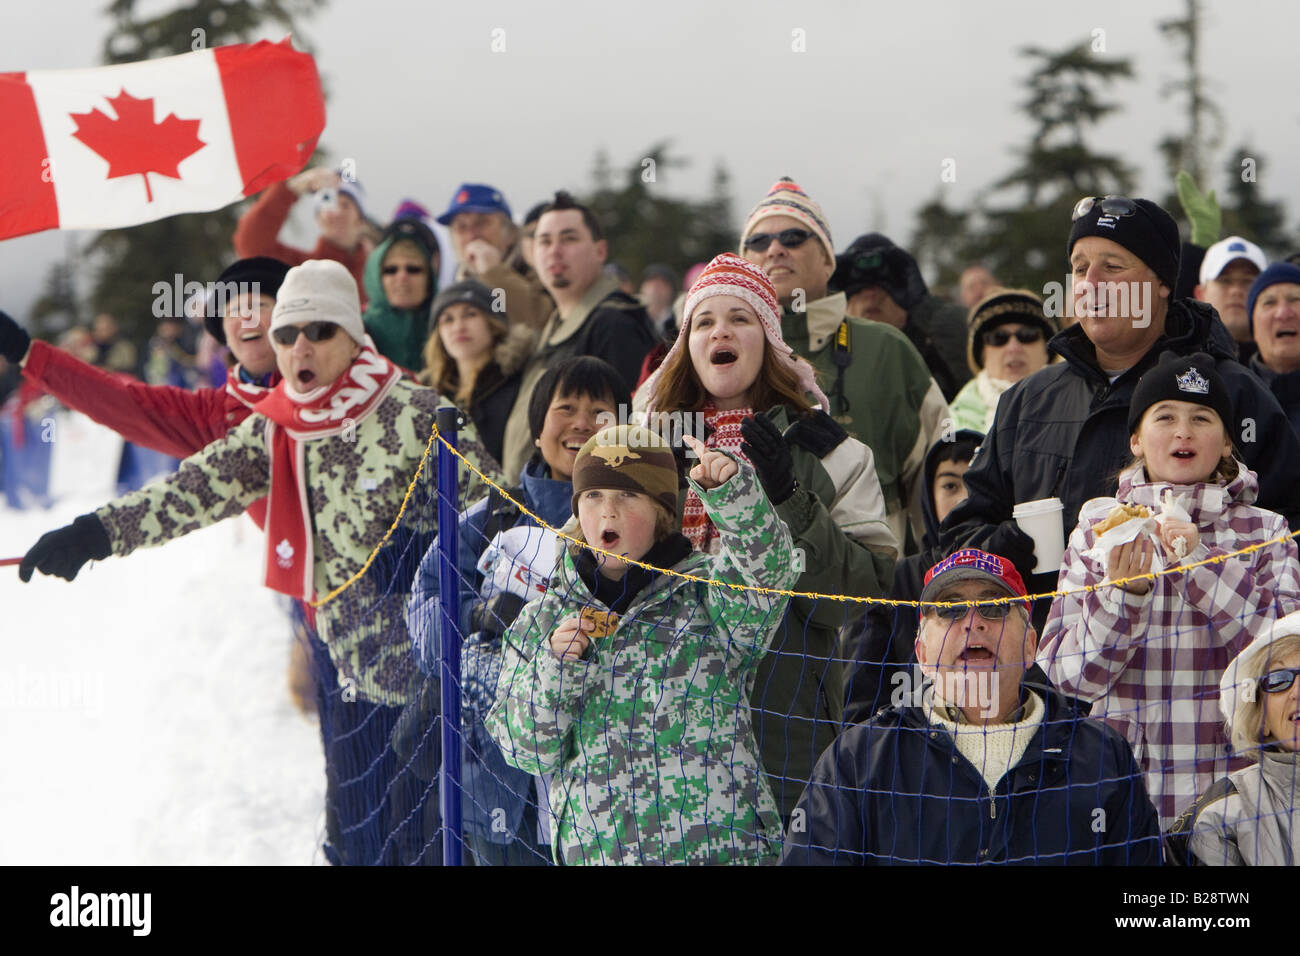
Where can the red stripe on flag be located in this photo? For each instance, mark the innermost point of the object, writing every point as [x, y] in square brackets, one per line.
[276, 108]
[27, 200]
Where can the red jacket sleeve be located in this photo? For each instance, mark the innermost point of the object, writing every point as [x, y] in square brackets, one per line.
[171, 420]
[258, 228]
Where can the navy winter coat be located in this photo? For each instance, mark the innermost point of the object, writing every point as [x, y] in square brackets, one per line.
[895, 790]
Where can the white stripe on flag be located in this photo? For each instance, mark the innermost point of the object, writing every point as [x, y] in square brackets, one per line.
[188, 86]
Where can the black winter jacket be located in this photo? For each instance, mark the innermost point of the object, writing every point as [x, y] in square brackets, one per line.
[1063, 432]
[896, 790]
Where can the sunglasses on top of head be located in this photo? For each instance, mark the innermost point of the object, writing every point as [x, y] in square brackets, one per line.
[1025, 335]
[1115, 206]
[1275, 682]
[315, 332]
[789, 238]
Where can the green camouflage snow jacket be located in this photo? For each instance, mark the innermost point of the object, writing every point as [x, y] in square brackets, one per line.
[355, 485]
[650, 736]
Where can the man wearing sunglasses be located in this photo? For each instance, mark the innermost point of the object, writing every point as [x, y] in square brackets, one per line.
[879, 387]
[979, 765]
[333, 448]
[884, 284]
[1063, 431]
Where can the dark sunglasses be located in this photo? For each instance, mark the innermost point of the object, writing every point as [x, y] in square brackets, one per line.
[790, 238]
[1279, 680]
[411, 270]
[990, 612]
[1115, 206]
[1025, 335]
[315, 332]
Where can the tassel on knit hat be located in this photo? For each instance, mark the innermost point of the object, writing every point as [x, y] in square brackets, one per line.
[787, 198]
[729, 274]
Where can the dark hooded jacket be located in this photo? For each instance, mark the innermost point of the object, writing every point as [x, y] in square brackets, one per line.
[1285, 387]
[885, 648]
[1063, 432]
[896, 790]
[937, 328]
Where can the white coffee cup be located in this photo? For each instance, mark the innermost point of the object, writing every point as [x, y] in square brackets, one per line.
[1041, 520]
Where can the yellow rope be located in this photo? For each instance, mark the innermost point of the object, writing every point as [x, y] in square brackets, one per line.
[435, 435]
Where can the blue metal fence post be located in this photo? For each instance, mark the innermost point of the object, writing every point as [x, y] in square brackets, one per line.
[449, 422]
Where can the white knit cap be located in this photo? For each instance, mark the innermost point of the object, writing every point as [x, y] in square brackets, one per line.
[320, 290]
[1232, 689]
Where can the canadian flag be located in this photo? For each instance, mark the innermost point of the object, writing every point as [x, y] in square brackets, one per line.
[120, 145]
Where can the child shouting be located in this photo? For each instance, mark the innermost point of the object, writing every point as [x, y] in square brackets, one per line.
[1150, 654]
[633, 686]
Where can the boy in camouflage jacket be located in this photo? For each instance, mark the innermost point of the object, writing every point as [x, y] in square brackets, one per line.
[639, 705]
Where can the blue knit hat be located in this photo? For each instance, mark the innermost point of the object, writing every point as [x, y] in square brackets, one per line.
[1277, 272]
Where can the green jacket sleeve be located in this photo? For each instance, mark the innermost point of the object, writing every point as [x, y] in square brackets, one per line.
[756, 551]
[539, 696]
[218, 482]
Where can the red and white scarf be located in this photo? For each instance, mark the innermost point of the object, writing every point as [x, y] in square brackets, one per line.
[293, 418]
[241, 399]
[725, 434]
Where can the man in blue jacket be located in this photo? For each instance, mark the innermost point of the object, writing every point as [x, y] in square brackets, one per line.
[976, 765]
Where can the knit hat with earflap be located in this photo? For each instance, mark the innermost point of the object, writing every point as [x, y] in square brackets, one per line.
[1181, 378]
[627, 457]
[787, 198]
[729, 274]
[320, 290]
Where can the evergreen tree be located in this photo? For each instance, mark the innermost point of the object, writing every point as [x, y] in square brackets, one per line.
[941, 242]
[1247, 213]
[1023, 241]
[643, 224]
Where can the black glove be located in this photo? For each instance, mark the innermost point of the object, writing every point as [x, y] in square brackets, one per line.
[767, 451]
[819, 433]
[64, 551]
[14, 340]
[1010, 542]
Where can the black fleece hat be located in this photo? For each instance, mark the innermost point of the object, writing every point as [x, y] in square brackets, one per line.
[469, 291]
[1139, 225]
[268, 273]
[873, 259]
[1182, 378]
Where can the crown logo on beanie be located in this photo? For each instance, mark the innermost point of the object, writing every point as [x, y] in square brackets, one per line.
[1194, 382]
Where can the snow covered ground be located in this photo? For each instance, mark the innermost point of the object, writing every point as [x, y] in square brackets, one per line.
[144, 710]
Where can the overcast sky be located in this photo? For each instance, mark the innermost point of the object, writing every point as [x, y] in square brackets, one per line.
[863, 118]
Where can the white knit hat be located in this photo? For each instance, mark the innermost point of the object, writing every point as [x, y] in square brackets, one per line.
[320, 290]
[1233, 690]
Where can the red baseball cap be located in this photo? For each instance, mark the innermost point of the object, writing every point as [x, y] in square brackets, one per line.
[972, 564]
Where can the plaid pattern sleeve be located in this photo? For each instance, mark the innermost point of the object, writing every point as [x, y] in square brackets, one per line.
[1152, 663]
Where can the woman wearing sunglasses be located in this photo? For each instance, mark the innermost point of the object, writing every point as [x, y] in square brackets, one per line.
[1245, 818]
[1007, 342]
[401, 279]
[1149, 653]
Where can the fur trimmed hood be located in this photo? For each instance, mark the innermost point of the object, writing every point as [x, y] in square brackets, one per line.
[512, 352]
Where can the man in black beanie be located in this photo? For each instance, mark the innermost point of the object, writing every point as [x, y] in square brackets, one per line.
[883, 283]
[1063, 432]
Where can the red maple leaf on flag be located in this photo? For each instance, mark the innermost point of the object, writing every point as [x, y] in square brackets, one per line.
[133, 143]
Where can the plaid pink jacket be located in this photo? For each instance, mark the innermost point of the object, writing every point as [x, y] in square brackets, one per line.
[1151, 663]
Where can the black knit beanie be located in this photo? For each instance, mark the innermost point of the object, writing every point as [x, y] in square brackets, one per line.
[1182, 378]
[1144, 229]
[268, 273]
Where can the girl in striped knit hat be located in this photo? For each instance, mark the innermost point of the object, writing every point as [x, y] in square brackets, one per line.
[731, 368]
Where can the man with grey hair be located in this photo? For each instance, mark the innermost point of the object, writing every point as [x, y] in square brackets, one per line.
[978, 764]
